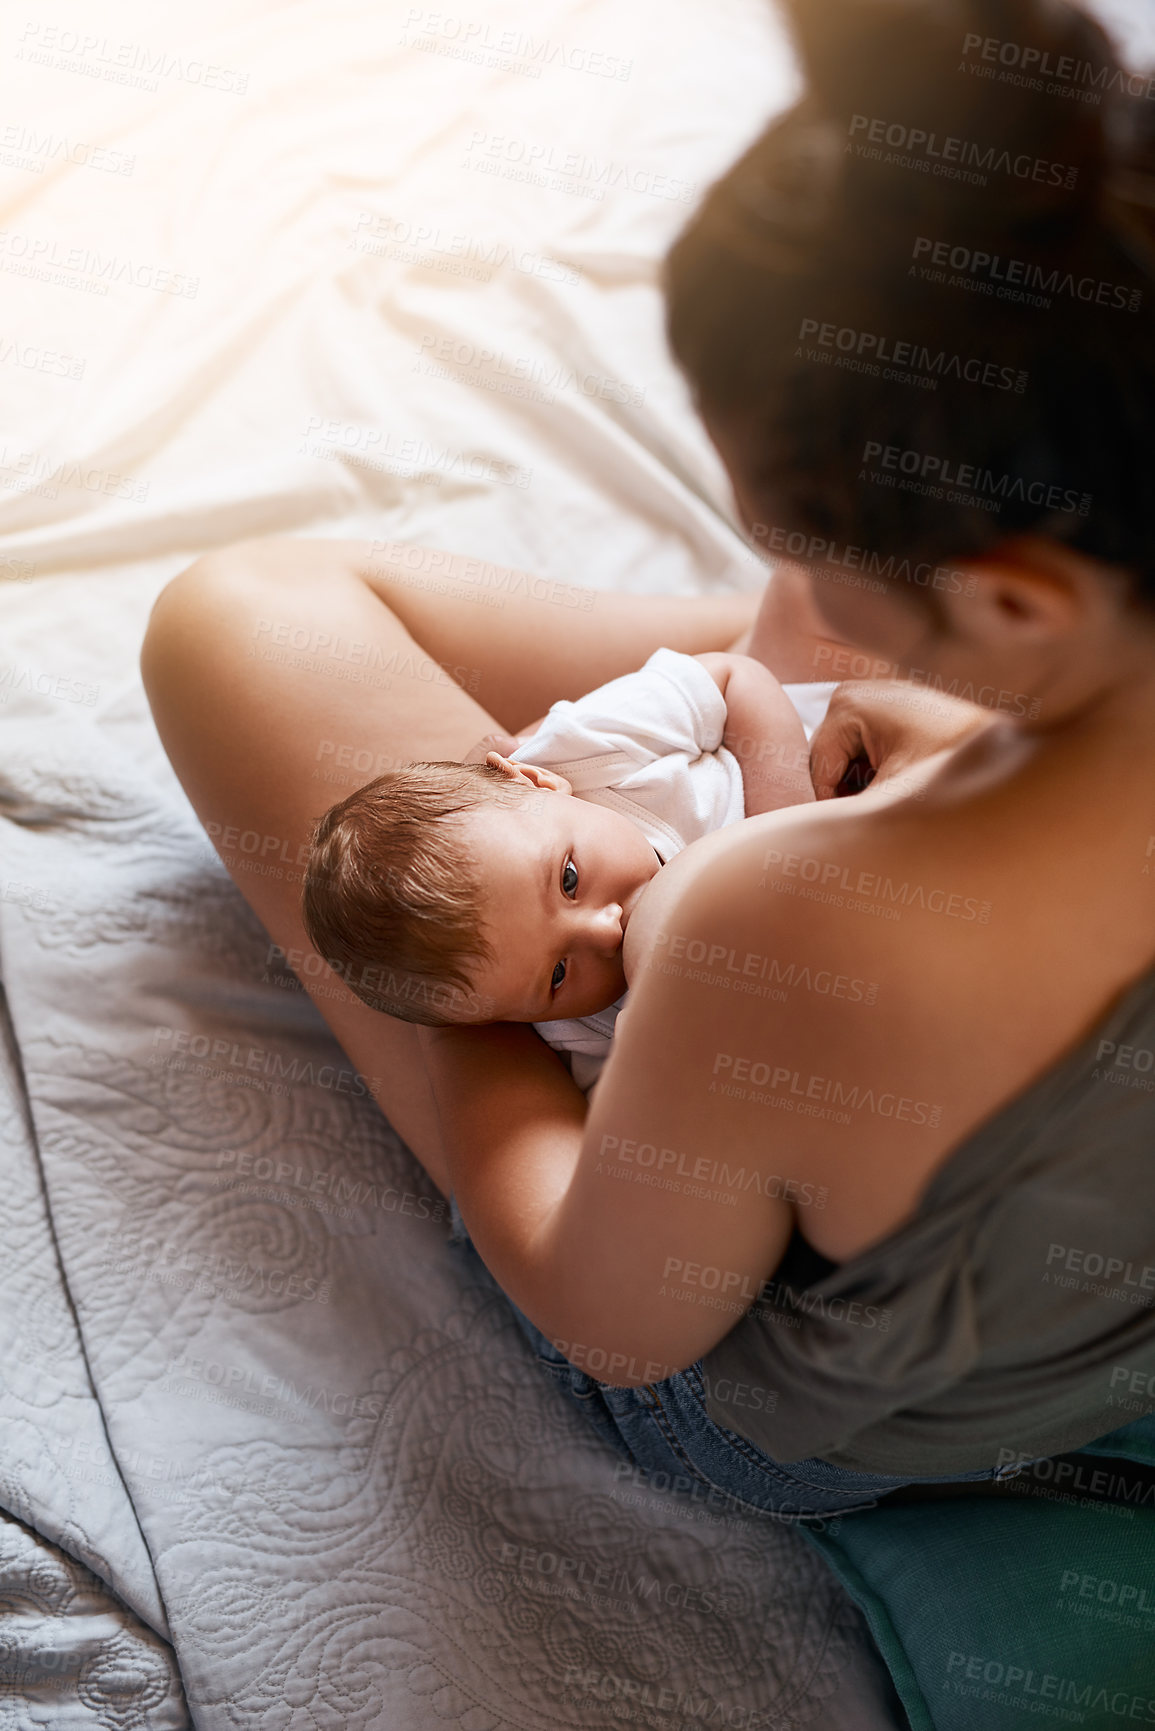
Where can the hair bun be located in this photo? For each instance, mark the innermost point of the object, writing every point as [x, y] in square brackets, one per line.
[930, 65]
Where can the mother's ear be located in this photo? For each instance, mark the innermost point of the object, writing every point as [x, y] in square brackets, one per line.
[529, 772]
[1029, 594]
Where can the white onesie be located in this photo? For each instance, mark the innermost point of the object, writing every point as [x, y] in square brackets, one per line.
[650, 746]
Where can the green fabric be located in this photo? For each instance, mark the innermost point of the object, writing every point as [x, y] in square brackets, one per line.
[1135, 1442]
[996, 1614]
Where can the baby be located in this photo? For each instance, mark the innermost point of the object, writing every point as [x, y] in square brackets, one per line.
[501, 891]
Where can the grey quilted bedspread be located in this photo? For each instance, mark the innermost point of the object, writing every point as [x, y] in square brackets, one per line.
[274, 1452]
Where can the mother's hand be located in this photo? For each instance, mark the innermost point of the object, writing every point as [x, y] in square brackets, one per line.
[877, 729]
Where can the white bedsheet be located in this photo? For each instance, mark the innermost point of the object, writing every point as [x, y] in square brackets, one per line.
[328, 268]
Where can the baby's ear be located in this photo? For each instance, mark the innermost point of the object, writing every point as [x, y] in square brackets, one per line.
[545, 779]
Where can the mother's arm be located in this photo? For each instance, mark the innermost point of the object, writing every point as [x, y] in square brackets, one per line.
[788, 1056]
[283, 673]
[591, 1226]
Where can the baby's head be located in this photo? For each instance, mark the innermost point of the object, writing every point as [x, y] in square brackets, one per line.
[475, 892]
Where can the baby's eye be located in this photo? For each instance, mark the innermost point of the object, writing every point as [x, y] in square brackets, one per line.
[569, 878]
[558, 976]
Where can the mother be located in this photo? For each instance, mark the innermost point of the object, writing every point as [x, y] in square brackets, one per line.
[902, 1041]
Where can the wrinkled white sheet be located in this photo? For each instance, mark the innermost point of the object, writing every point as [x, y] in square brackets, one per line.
[329, 268]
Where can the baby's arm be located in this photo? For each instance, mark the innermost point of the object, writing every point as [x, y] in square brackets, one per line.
[763, 732]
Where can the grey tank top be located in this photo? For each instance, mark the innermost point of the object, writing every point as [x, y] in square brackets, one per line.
[1013, 1313]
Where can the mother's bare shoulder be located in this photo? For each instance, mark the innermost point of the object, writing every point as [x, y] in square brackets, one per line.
[723, 878]
[829, 953]
[874, 900]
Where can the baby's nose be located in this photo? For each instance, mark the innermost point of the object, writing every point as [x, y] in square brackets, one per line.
[606, 928]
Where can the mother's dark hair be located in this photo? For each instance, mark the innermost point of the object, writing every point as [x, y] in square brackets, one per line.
[814, 223]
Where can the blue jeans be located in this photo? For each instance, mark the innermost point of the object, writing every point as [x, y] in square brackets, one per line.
[670, 1442]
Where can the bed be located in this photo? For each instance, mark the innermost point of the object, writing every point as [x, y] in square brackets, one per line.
[272, 1453]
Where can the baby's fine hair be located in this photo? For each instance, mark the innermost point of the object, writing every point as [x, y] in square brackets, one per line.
[391, 898]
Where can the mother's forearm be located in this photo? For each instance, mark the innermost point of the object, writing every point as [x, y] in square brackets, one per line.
[512, 1122]
[283, 672]
[538, 638]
